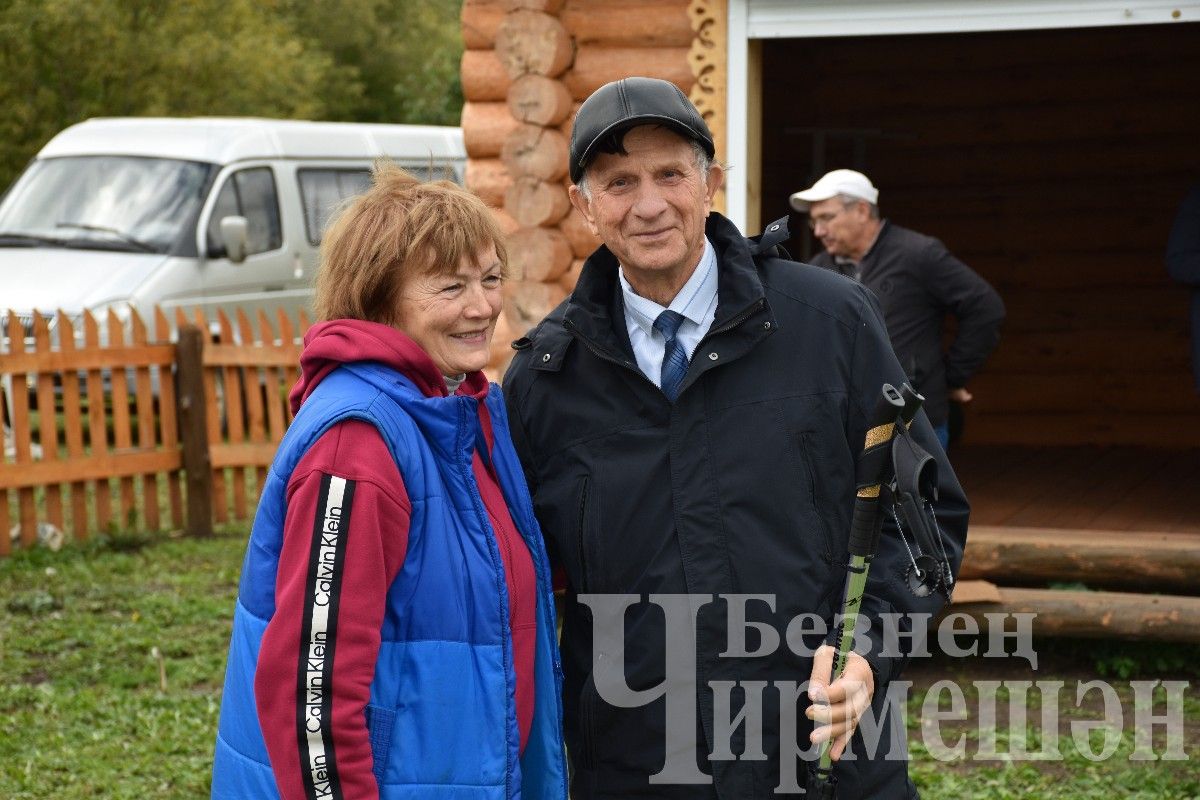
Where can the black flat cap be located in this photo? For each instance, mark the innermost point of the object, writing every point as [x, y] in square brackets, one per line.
[630, 102]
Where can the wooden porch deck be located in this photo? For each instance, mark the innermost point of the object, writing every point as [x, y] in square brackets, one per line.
[1081, 488]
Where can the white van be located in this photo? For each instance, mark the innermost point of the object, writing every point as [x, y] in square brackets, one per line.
[129, 213]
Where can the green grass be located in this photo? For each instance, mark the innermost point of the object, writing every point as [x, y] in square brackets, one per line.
[1063, 772]
[84, 712]
[82, 701]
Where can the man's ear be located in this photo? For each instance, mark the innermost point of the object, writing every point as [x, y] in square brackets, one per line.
[716, 179]
[585, 208]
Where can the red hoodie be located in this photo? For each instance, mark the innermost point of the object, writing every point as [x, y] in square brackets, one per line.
[354, 450]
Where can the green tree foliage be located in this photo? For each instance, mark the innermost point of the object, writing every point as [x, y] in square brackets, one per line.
[395, 60]
[63, 61]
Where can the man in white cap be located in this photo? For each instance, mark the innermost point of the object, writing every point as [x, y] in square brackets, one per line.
[689, 420]
[917, 282]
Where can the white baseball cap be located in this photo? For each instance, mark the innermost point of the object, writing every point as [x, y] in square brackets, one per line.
[832, 184]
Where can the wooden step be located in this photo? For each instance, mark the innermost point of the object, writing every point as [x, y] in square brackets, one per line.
[1145, 560]
[1092, 615]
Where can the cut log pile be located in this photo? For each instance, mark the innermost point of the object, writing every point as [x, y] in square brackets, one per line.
[526, 66]
[1006, 571]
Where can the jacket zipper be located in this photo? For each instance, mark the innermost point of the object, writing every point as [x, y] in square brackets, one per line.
[582, 538]
[587, 712]
[744, 315]
[503, 539]
[602, 353]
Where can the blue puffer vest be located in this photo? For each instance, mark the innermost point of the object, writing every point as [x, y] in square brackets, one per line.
[442, 716]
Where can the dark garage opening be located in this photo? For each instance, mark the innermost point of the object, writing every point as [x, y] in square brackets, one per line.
[1052, 162]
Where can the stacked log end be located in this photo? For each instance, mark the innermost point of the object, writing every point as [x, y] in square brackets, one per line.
[526, 67]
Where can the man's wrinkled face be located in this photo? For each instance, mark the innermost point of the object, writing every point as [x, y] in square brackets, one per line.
[841, 228]
[649, 206]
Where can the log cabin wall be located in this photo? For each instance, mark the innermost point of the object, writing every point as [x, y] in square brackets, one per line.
[1052, 162]
[526, 66]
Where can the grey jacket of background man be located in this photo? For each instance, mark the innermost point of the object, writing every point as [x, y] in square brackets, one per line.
[744, 486]
[917, 281]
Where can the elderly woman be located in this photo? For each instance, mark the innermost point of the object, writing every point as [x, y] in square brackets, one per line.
[394, 632]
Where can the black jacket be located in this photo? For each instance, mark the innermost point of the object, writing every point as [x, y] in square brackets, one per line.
[744, 486]
[917, 281]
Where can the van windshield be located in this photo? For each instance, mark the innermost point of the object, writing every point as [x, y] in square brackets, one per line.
[104, 203]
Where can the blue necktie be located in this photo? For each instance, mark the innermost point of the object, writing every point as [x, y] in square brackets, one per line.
[675, 360]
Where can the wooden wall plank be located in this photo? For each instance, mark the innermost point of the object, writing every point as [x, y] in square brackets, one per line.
[89, 358]
[73, 427]
[169, 422]
[124, 464]
[290, 372]
[1103, 558]
[483, 76]
[1083, 427]
[231, 381]
[121, 422]
[1117, 391]
[97, 422]
[253, 385]
[485, 127]
[480, 20]
[47, 432]
[213, 417]
[147, 439]
[633, 23]
[1104, 615]
[273, 390]
[22, 432]
[1092, 351]
[596, 66]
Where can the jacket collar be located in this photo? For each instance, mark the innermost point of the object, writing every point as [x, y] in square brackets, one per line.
[595, 310]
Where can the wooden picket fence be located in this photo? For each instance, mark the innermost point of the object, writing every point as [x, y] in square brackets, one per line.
[101, 423]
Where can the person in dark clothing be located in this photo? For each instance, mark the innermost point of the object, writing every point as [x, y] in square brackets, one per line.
[1183, 263]
[689, 420]
[917, 282]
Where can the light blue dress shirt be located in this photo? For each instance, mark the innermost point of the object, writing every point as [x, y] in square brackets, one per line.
[696, 301]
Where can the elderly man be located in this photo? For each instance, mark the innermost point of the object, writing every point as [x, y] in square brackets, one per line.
[917, 282]
[689, 420]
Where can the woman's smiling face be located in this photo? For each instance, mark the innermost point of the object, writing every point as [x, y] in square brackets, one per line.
[452, 315]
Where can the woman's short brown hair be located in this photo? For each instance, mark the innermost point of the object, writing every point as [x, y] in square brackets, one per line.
[401, 227]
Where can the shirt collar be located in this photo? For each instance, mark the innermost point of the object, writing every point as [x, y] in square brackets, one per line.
[692, 301]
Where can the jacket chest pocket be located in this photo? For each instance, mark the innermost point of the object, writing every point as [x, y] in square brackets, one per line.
[567, 506]
[801, 450]
[585, 532]
[810, 479]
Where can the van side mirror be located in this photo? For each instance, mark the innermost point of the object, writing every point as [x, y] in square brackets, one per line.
[234, 235]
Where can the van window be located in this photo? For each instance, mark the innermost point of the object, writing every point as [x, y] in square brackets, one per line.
[322, 192]
[249, 193]
[106, 202]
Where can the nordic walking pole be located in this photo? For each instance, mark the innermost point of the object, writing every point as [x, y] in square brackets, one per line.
[873, 468]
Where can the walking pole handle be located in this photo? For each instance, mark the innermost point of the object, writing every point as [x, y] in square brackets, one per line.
[874, 464]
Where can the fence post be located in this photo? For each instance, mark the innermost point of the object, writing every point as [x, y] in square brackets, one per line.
[193, 431]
